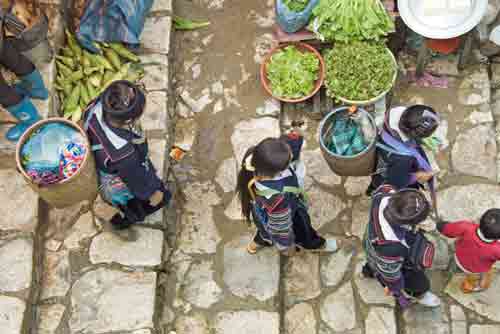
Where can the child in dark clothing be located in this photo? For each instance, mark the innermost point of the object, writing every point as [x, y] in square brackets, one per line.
[271, 195]
[477, 248]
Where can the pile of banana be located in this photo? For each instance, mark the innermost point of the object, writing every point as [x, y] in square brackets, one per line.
[82, 76]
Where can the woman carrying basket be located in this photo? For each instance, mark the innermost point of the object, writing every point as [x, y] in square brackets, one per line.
[127, 178]
[397, 254]
[401, 160]
[272, 196]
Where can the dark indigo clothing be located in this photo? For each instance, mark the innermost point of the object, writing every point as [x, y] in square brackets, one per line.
[288, 222]
[124, 152]
[397, 170]
[136, 169]
[17, 63]
[387, 258]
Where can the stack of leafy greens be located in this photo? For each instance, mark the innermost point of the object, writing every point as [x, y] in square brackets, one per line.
[350, 20]
[292, 73]
[358, 71]
[296, 5]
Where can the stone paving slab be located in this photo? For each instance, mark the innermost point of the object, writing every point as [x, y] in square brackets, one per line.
[155, 36]
[50, 317]
[154, 117]
[145, 251]
[247, 322]
[467, 202]
[16, 264]
[301, 278]
[338, 309]
[300, 319]
[105, 300]
[485, 303]
[15, 194]
[156, 76]
[424, 320]
[56, 277]
[11, 314]
[200, 287]
[380, 321]
[248, 275]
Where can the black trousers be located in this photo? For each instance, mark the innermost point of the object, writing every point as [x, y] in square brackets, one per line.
[305, 235]
[16, 62]
[136, 211]
[416, 282]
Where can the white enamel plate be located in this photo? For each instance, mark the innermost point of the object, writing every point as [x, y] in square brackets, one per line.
[441, 19]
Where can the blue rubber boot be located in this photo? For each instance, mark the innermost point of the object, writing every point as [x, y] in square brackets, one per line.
[32, 85]
[27, 115]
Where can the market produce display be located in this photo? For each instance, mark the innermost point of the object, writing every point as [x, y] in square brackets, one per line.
[82, 76]
[292, 73]
[296, 5]
[358, 71]
[353, 20]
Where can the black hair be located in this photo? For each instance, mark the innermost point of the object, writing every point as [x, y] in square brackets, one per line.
[269, 157]
[489, 224]
[419, 121]
[407, 207]
[123, 101]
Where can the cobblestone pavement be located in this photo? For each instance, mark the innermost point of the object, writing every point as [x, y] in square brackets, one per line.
[189, 272]
[59, 272]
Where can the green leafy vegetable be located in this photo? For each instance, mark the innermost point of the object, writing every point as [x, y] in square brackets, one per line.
[351, 20]
[358, 71]
[296, 5]
[185, 24]
[292, 73]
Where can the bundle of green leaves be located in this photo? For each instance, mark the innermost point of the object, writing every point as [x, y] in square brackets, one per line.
[296, 5]
[351, 20]
[358, 71]
[292, 73]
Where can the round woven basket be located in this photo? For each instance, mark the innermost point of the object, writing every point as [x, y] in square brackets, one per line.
[79, 187]
[301, 47]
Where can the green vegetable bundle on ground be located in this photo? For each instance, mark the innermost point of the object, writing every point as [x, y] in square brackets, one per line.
[351, 20]
[82, 76]
[292, 73]
[296, 5]
[358, 71]
[181, 23]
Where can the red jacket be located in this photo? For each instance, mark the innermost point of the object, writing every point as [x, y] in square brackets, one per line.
[473, 252]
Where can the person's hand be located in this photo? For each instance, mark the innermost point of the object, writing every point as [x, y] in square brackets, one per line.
[423, 177]
[156, 199]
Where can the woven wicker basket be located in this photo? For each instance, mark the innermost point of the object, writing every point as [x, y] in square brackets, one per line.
[79, 187]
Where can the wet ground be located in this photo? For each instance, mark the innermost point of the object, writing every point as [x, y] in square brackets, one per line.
[222, 110]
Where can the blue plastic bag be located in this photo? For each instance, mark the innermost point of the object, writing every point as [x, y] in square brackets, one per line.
[291, 21]
[113, 21]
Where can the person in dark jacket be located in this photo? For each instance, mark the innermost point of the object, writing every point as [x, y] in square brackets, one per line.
[17, 99]
[387, 242]
[401, 161]
[127, 178]
[270, 187]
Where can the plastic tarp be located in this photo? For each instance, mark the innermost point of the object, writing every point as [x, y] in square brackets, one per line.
[113, 21]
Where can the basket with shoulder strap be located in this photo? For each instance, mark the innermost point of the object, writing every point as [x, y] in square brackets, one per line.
[16, 32]
[421, 253]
